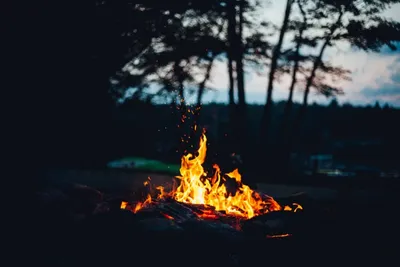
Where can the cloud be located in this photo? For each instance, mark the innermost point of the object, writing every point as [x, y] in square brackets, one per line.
[388, 90]
[369, 71]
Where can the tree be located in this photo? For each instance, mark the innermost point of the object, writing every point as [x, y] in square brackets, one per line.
[322, 76]
[293, 55]
[247, 46]
[240, 116]
[272, 72]
[333, 104]
[185, 49]
[231, 18]
[358, 22]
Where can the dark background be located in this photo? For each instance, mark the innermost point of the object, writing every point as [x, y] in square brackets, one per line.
[64, 115]
[59, 57]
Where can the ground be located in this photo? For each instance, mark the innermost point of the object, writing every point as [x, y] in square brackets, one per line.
[364, 222]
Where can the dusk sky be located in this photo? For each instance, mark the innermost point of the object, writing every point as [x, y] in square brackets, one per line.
[375, 77]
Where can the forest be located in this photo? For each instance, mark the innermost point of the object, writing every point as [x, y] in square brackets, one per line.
[120, 51]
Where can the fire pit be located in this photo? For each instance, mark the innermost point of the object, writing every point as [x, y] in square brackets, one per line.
[214, 197]
[200, 218]
[206, 218]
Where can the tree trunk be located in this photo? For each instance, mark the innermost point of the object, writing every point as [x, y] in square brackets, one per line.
[202, 85]
[285, 159]
[266, 119]
[231, 17]
[239, 61]
[316, 65]
[289, 104]
[241, 114]
[231, 104]
[231, 95]
[197, 110]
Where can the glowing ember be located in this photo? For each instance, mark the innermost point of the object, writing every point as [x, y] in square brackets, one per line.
[140, 205]
[297, 207]
[278, 236]
[123, 205]
[196, 187]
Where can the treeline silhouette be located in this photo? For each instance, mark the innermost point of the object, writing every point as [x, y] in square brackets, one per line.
[78, 59]
[357, 135]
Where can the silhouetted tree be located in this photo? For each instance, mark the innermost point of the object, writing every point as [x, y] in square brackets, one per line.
[240, 117]
[334, 103]
[328, 16]
[183, 54]
[231, 32]
[272, 72]
[358, 22]
[300, 40]
[243, 50]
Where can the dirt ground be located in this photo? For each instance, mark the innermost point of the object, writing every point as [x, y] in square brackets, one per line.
[357, 220]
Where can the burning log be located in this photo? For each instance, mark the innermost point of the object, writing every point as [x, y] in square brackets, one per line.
[204, 211]
[277, 224]
[211, 196]
[158, 225]
[175, 211]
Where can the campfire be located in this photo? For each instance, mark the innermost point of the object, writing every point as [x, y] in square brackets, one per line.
[203, 205]
[207, 195]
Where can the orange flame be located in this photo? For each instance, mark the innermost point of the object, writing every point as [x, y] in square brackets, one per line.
[140, 205]
[123, 205]
[196, 187]
[297, 207]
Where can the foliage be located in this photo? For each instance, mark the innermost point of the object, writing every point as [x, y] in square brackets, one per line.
[190, 36]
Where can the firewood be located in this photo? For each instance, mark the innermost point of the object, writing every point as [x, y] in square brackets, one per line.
[182, 209]
[158, 224]
[173, 214]
[272, 223]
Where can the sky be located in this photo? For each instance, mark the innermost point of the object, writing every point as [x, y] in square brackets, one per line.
[375, 76]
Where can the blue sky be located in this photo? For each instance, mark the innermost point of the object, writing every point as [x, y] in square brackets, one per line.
[375, 77]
